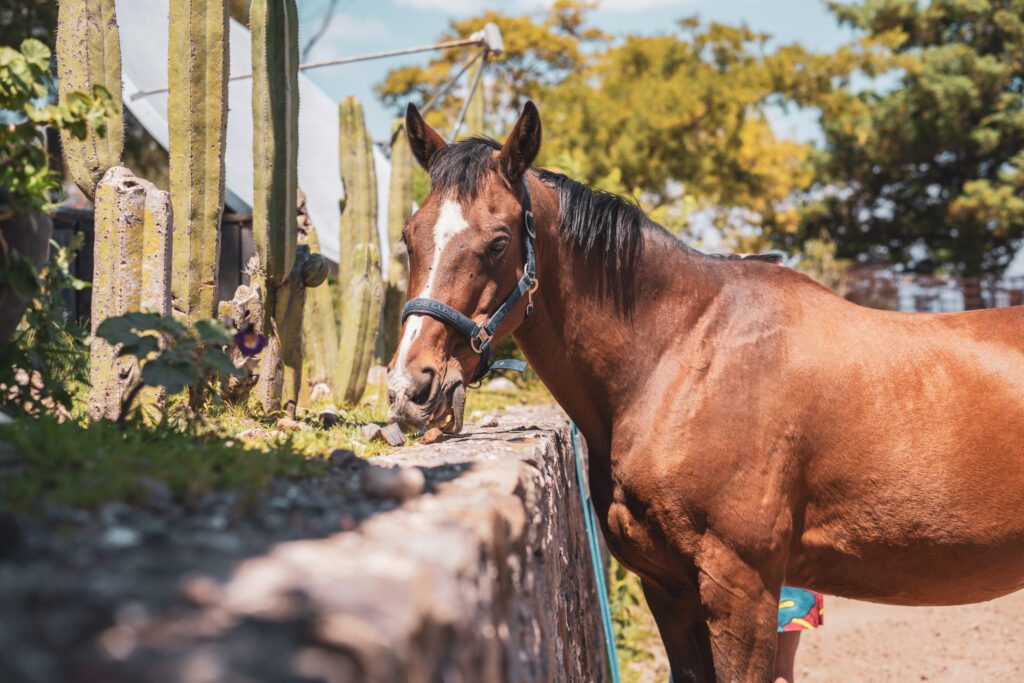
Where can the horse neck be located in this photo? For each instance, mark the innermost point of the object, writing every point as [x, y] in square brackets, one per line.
[591, 354]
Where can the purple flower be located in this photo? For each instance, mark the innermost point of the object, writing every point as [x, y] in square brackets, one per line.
[249, 340]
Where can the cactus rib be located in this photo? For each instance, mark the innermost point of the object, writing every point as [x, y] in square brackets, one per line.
[88, 59]
[197, 73]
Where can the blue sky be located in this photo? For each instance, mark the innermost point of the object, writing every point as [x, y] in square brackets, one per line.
[361, 26]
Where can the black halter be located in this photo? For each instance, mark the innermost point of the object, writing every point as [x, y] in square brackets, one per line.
[480, 336]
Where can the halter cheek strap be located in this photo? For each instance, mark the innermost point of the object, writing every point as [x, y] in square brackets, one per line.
[481, 335]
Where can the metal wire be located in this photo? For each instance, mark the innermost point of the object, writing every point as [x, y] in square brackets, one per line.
[469, 96]
[341, 60]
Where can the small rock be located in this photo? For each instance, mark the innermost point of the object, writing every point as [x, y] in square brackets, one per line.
[501, 384]
[329, 417]
[112, 513]
[289, 425]
[393, 435]
[11, 537]
[370, 432]
[5, 419]
[489, 421]
[200, 590]
[393, 482]
[346, 459]
[251, 434]
[121, 537]
[158, 495]
[433, 435]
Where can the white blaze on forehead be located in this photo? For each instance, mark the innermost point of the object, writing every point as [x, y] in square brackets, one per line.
[450, 222]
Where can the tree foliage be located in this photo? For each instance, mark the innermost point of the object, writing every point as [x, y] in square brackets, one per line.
[924, 166]
[677, 121]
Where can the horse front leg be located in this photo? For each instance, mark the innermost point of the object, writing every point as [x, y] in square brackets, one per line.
[741, 608]
[684, 633]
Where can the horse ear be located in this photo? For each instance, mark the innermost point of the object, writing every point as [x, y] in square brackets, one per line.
[522, 145]
[424, 141]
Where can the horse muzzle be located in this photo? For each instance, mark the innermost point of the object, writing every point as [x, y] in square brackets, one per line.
[417, 407]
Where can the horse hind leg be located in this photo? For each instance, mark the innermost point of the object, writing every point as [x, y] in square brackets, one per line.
[683, 632]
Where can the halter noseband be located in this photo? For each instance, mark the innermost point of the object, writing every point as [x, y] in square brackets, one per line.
[481, 336]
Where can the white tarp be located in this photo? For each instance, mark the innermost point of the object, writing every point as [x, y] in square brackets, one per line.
[143, 29]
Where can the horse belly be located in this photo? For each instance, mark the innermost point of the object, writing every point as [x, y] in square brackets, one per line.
[941, 527]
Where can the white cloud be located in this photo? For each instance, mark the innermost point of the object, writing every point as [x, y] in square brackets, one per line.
[345, 30]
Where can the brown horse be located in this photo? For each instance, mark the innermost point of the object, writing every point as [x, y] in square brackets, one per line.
[746, 426]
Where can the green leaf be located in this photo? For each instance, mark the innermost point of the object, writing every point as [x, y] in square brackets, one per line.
[212, 332]
[141, 347]
[36, 54]
[172, 375]
[217, 361]
[22, 277]
[117, 330]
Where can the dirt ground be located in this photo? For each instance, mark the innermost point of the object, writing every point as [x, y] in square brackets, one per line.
[866, 642]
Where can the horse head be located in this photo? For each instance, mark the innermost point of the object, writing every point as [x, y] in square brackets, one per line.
[468, 247]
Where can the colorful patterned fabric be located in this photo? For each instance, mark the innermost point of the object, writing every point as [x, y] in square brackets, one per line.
[800, 610]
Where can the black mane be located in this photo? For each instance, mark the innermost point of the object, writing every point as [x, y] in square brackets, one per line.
[603, 225]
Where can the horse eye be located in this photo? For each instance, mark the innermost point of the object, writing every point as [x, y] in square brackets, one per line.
[497, 246]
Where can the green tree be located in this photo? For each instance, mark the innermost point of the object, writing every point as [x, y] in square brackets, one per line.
[924, 166]
[539, 55]
[677, 121]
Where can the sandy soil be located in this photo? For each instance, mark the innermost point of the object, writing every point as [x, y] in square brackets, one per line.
[866, 642]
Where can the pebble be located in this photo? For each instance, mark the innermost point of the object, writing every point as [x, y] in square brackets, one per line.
[393, 482]
[158, 495]
[289, 425]
[489, 421]
[433, 435]
[121, 537]
[370, 432]
[393, 435]
[329, 417]
[200, 590]
[501, 384]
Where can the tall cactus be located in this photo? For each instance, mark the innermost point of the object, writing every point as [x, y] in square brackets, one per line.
[319, 329]
[400, 197]
[275, 102]
[131, 272]
[88, 59]
[197, 113]
[359, 276]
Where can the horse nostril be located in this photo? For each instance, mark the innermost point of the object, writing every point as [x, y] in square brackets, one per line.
[391, 397]
[422, 396]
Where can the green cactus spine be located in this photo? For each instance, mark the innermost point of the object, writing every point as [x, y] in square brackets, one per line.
[400, 196]
[275, 108]
[360, 282]
[89, 60]
[197, 73]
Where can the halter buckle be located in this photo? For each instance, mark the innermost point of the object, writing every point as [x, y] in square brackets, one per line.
[534, 284]
[478, 342]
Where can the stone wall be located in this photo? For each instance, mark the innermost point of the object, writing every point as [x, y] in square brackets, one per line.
[484, 577]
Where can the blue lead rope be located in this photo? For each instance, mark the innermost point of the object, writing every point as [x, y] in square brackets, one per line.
[590, 522]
